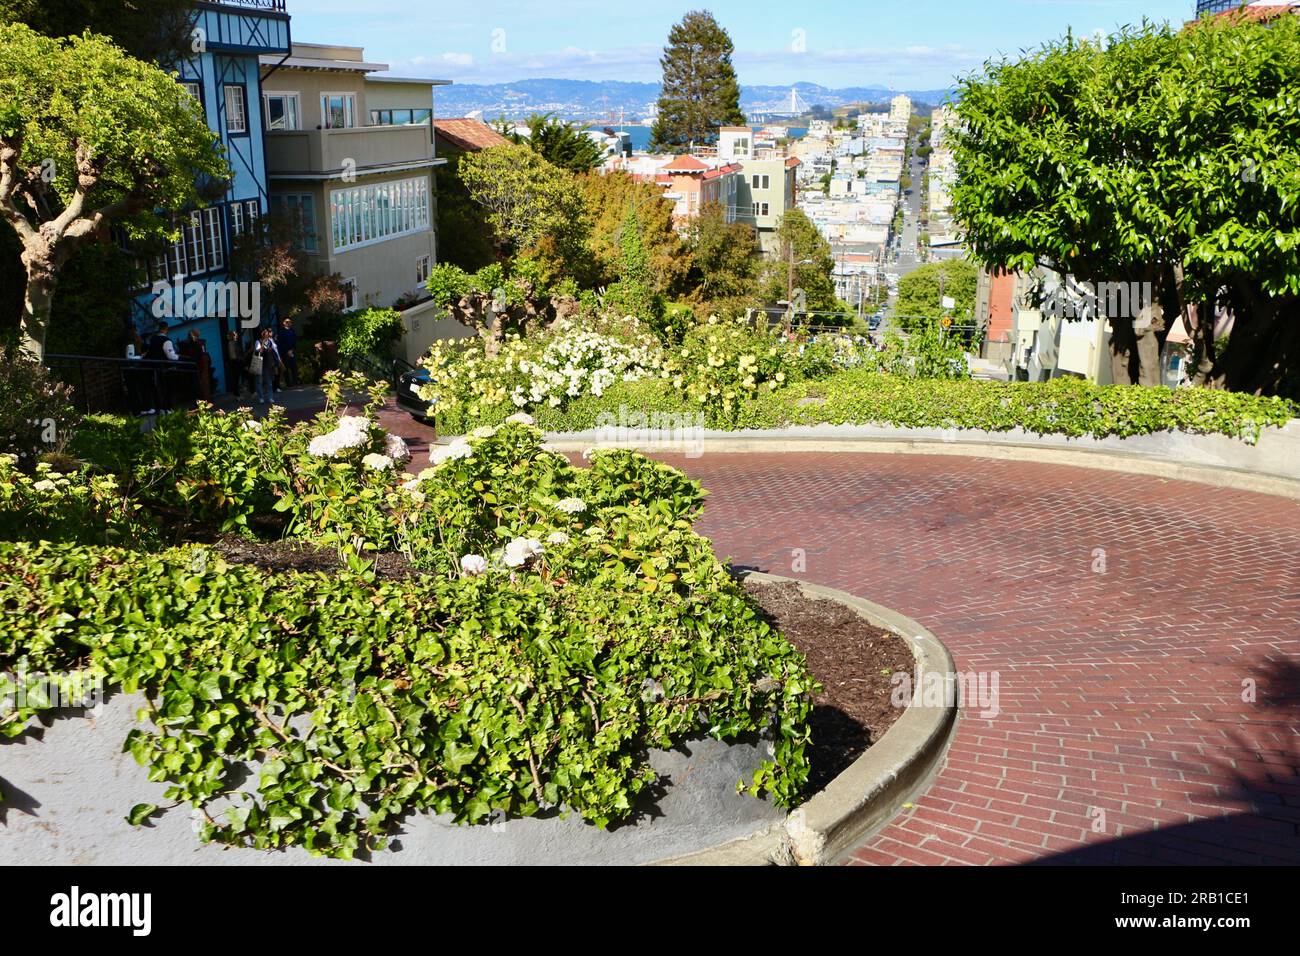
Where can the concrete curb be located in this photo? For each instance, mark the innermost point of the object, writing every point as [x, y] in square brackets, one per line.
[870, 792]
[1273, 469]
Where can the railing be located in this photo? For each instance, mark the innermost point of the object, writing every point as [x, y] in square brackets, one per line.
[119, 384]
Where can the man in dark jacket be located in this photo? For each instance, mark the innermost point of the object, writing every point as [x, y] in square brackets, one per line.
[286, 340]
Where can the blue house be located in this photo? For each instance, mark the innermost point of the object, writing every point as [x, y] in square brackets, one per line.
[224, 74]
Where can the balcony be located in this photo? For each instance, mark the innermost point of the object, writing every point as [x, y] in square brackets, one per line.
[329, 153]
[274, 5]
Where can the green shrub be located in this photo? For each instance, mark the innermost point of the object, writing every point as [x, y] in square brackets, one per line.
[369, 332]
[36, 413]
[108, 443]
[80, 508]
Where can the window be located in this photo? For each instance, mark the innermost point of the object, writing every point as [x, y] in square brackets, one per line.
[760, 181]
[351, 299]
[361, 215]
[199, 249]
[193, 88]
[400, 117]
[338, 110]
[301, 210]
[422, 270]
[236, 110]
[244, 216]
[283, 111]
[760, 209]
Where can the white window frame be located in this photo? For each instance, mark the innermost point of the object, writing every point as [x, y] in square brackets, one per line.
[230, 108]
[349, 110]
[423, 269]
[236, 219]
[760, 181]
[362, 215]
[194, 88]
[289, 97]
[760, 209]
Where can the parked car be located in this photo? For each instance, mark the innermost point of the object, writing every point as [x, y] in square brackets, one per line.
[408, 400]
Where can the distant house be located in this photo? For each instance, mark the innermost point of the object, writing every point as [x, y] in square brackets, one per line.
[225, 79]
[465, 135]
[355, 171]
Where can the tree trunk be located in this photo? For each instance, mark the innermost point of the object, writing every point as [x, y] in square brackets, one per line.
[38, 300]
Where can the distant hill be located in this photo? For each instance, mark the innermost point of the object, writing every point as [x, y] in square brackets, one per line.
[588, 99]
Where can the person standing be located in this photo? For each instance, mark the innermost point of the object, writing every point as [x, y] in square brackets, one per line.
[264, 365]
[161, 349]
[286, 340]
[236, 356]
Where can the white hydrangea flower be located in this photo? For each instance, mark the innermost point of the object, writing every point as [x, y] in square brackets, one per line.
[473, 564]
[252, 425]
[395, 448]
[44, 485]
[377, 462]
[557, 537]
[521, 550]
[571, 506]
[521, 418]
[483, 431]
[459, 448]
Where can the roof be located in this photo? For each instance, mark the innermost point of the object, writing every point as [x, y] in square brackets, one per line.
[468, 134]
[792, 162]
[1257, 12]
[735, 129]
[685, 163]
[421, 80]
[719, 171]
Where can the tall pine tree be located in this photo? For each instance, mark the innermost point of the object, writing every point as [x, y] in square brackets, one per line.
[700, 92]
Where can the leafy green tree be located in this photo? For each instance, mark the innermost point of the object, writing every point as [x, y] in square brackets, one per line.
[806, 262]
[1162, 156]
[535, 208]
[700, 91]
[561, 144]
[607, 198]
[465, 238]
[89, 137]
[634, 293]
[724, 261]
[921, 292]
[150, 30]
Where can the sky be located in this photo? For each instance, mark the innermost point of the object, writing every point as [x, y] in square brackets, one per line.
[917, 44]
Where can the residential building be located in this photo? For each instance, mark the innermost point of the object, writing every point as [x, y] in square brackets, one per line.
[351, 158]
[900, 108]
[767, 183]
[225, 78]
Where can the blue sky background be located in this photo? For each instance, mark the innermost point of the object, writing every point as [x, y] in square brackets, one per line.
[917, 44]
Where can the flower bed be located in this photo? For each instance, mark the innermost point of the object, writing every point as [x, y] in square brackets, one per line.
[727, 375]
[557, 624]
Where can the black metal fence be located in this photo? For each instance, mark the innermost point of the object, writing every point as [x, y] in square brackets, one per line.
[126, 385]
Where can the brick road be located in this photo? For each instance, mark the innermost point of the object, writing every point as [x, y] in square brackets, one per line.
[1123, 735]
[1125, 617]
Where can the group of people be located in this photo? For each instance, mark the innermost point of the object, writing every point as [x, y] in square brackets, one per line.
[268, 364]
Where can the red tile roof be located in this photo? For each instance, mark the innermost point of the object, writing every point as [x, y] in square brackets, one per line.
[685, 163]
[468, 134]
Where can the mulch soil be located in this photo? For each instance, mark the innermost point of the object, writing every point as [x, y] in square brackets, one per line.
[853, 661]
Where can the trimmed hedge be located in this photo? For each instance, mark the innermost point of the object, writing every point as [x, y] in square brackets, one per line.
[1064, 406]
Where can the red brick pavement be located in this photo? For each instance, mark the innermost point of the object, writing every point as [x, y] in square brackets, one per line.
[1122, 735]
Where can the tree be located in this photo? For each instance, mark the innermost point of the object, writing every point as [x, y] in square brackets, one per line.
[806, 262]
[535, 208]
[921, 292]
[465, 238]
[156, 31]
[90, 137]
[724, 261]
[1163, 157]
[700, 91]
[561, 144]
[607, 199]
[634, 292]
